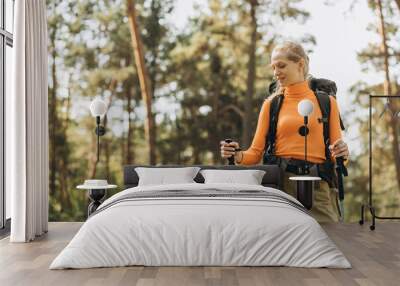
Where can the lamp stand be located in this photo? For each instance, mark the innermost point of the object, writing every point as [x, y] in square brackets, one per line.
[303, 131]
[100, 131]
[306, 168]
[305, 183]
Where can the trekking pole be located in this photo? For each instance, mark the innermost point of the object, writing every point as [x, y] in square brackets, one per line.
[231, 159]
[341, 171]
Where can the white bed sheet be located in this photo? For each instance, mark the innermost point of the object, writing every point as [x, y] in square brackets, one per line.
[200, 231]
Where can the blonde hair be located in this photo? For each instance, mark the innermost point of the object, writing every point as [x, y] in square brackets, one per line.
[294, 52]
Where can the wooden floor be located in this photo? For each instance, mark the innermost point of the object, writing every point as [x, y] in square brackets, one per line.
[375, 257]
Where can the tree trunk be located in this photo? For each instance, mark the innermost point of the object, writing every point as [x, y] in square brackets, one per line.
[179, 131]
[393, 119]
[64, 161]
[143, 79]
[398, 4]
[129, 156]
[53, 115]
[215, 130]
[153, 131]
[122, 147]
[107, 139]
[251, 73]
[106, 145]
[386, 85]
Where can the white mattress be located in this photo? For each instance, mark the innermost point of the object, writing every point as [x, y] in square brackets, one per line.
[200, 231]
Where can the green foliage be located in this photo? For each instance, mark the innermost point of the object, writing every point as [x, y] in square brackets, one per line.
[199, 77]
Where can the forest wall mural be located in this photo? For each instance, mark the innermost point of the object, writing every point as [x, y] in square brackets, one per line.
[201, 83]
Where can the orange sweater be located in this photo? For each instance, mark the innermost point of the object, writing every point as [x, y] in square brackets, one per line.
[289, 143]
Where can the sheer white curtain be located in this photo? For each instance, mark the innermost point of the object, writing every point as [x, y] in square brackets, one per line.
[28, 123]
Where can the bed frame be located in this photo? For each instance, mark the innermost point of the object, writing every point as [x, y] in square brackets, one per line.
[272, 178]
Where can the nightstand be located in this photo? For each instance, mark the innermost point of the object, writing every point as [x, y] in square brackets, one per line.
[97, 191]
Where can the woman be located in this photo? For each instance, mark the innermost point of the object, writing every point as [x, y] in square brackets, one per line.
[290, 65]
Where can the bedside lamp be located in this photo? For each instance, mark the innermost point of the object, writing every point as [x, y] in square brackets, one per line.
[305, 108]
[98, 108]
[305, 182]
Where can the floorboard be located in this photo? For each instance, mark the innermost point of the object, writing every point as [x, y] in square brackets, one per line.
[374, 255]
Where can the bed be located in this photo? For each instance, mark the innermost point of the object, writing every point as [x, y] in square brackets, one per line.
[201, 224]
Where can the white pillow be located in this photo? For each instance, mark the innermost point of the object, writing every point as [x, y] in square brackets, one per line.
[249, 177]
[163, 176]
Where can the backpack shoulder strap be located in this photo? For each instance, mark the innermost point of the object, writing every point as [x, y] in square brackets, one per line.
[326, 86]
[275, 106]
[324, 103]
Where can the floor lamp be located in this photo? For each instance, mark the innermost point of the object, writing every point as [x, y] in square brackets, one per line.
[98, 108]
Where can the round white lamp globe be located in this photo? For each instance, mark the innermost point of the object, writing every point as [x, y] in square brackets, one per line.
[305, 107]
[98, 107]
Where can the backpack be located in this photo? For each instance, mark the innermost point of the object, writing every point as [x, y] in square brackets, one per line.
[323, 89]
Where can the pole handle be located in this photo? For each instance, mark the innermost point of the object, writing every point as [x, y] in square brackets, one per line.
[231, 159]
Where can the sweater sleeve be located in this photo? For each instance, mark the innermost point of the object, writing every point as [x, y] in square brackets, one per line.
[254, 154]
[335, 132]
